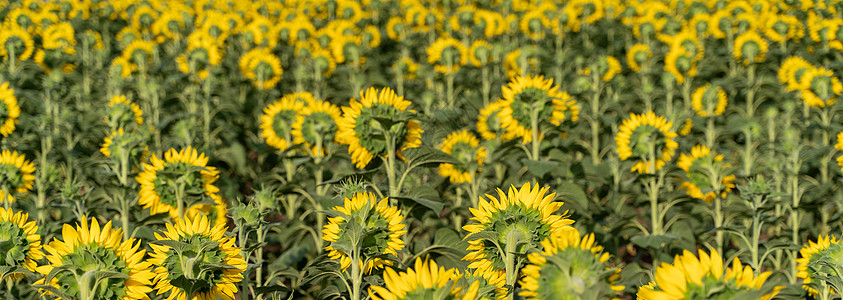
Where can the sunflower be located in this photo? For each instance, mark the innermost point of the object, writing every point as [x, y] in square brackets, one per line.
[15, 175]
[709, 101]
[464, 147]
[169, 25]
[425, 281]
[819, 87]
[122, 112]
[206, 248]
[535, 95]
[59, 37]
[140, 51]
[447, 54]
[346, 47]
[480, 53]
[123, 66]
[637, 56]
[690, 277]
[22, 243]
[381, 223]
[366, 137]
[639, 134]
[839, 146]
[97, 256]
[680, 63]
[535, 22]
[570, 266]
[791, 72]
[396, 29]
[511, 63]
[489, 122]
[9, 110]
[322, 60]
[780, 27]
[316, 126]
[278, 118]
[261, 67]
[202, 54]
[407, 67]
[16, 40]
[180, 178]
[686, 127]
[520, 219]
[826, 249]
[750, 47]
[688, 40]
[609, 67]
[695, 164]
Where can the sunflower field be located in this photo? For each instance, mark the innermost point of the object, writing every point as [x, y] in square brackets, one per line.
[421, 149]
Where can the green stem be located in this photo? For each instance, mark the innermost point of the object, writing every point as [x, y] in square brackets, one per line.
[710, 133]
[244, 284]
[84, 282]
[355, 275]
[534, 123]
[180, 200]
[595, 120]
[390, 163]
[509, 256]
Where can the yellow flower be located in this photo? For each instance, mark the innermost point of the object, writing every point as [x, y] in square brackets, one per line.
[278, 118]
[827, 248]
[613, 68]
[346, 47]
[781, 27]
[523, 94]
[569, 266]
[126, 67]
[640, 133]
[395, 29]
[17, 174]
[447, 54]
[316, 126]
[24, 242]
[689, 275]
[358, 128]
[489, 122]
[9, 110]
[59, 37]
[819, 87]
[524, 216]
[323, 60]
[750, 47]
[686, 128]
[464, 147]
[535, 21]
[424, 280]
[791, 71]
[262, 67]
[169, 24]
[709, 101]
[702, 157]
[377, 219]
[139, 51]
[123, 112]
[163, 184]
[97, 249]
[511, 63]
[14, 39]
[680, 63]
[407, 67]
[839, 146]
[638, 55]
[172, 263]
[480, 53]
[202, 54]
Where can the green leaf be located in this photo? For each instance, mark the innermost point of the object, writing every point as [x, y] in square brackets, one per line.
[427, 156]
[56, 270]
[539, 168]
[177, 246]
[653, 241]
[190, 286]
[100, 275]
[483, 235]
[435, 206]
[272, 289]
[570, 192]
[55, 291]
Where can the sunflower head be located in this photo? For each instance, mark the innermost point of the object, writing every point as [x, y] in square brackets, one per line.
[140, 51]
[196, 260]
[447, 54]
[480, 53]
[94, 261]
[608, 68]
[689, 277]
[379, 120]
[535, 22]
[407, 67]
[699, 183]
[261, 67]
[9, 110]
[680, 63]
[21, 243]
[535, 97]
[750, 47]
[819, 87]
[16, 41]
[203, 53]
[570, 266]
[792, 71]
[121, 144]
[646, 137]
[16, 176]
[316, 127]
[122, 113]
[278, 118]
[181, 179]
[818, 260]
[489, 122]
[517, 220]
[637, 56]
[709, 101]
[425, 280]
[365, 227]
[465, 148]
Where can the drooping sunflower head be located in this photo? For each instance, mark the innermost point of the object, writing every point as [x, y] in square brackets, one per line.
[750, 47]
[140, 51]
[791, 72]
[425, 280]
[819, 87]
[380, 225]
[608, 68]
[21, 242]
[124, 67]
[407, 67]
[570, 266]
[99, 256]
[646, 137]
[530, 96]
[195, 244]
[447, 54]
[534, 23]
[346, 47]
[689, 277]
[364, 129]
[203, 53]
[519, 219]
[261, 67]
[59, 37]
[637, 56]
[181, 178]
[316, 127]
[489, 122]
[122, 113]
[16, 176]
[680, 63]
[480, 53]
[464, 147]
[699, 183]
[16, 41]
[688, 40]
[781, 27]
[121, 144]
[278, 118]
[9, 110]
[818, 260]
[709, 101]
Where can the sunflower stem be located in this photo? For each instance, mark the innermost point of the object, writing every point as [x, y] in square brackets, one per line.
[710, 133]
[244, 284]
[355, 274]
[509, 256]
[595, 120]
[534, 130]
[390, 162]
[180, 200]
[486, 85]
[85, 288]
